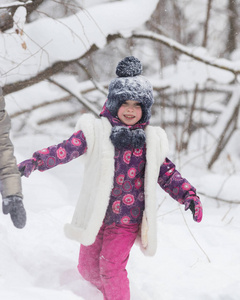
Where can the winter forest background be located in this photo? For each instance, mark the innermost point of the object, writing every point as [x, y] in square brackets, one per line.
[56, 60]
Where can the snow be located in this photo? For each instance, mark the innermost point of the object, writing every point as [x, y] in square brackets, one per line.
[19, 17]
[198, 53]
[16, 3]
[72, 36]
[39, 262]
[193, 261]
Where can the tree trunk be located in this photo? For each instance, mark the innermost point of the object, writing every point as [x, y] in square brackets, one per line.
[232, 43]
[205, 37]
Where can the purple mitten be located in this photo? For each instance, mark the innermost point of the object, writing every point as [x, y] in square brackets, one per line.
[193, 202]
[26, 167]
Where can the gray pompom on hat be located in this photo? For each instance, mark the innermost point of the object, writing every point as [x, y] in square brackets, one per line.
[130, 85]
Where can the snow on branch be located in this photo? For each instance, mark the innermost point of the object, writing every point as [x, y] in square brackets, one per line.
[67, 39]
[52, 70]
[196, 53]
[15, 4]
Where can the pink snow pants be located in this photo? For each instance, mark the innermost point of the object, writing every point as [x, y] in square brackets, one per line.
[104, 262]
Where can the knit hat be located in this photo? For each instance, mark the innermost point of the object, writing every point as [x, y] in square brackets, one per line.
[130, 85]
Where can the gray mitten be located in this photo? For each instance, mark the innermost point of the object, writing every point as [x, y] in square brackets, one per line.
[13, 205]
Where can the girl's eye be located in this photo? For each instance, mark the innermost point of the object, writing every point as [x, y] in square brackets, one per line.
[134, 105]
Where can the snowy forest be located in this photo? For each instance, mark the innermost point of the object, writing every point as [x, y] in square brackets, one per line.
[57, 58]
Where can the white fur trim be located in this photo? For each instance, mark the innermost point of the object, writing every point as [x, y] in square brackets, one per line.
[98, 182]
[157, 149]
[144, 231]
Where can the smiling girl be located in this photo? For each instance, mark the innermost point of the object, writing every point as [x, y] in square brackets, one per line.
[125, 160]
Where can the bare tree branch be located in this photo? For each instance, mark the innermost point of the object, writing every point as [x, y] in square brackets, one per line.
[15, 4]
[24, 111]
[52, 70]
[225, 136]
[79, 97]
[59, 66]
[10, 9]
[58, 117]
[205, 37]
[233, 29]
[96, 84]
[189, 130]
[219, 199]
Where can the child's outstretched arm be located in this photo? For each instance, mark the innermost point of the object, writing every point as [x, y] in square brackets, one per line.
[52, 156]
[179, 189]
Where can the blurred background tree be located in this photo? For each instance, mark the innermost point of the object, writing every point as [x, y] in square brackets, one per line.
[189, 51]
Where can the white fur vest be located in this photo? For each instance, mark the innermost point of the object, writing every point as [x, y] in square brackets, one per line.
[98, 182]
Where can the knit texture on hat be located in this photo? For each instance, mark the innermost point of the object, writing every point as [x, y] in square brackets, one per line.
[130, 85]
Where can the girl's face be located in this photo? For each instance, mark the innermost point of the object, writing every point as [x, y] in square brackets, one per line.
[130, 112]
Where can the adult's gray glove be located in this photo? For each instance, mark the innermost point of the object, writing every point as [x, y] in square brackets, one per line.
[13, 205]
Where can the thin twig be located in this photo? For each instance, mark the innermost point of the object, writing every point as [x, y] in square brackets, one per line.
[34, 107]
[194, 237]
[97, 85]
[79, 97]
[220, 199]
[167, 213]
[224, 182]
[30, 56]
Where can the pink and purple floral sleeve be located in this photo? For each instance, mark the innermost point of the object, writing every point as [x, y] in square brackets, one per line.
[172, 182]
[179, 189]
[62, 153]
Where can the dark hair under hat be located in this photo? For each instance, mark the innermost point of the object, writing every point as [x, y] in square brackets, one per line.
[130, 85]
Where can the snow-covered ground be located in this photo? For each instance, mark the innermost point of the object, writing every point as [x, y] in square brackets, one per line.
[193, 261]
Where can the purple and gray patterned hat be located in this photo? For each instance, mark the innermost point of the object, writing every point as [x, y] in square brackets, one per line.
[130, 85]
